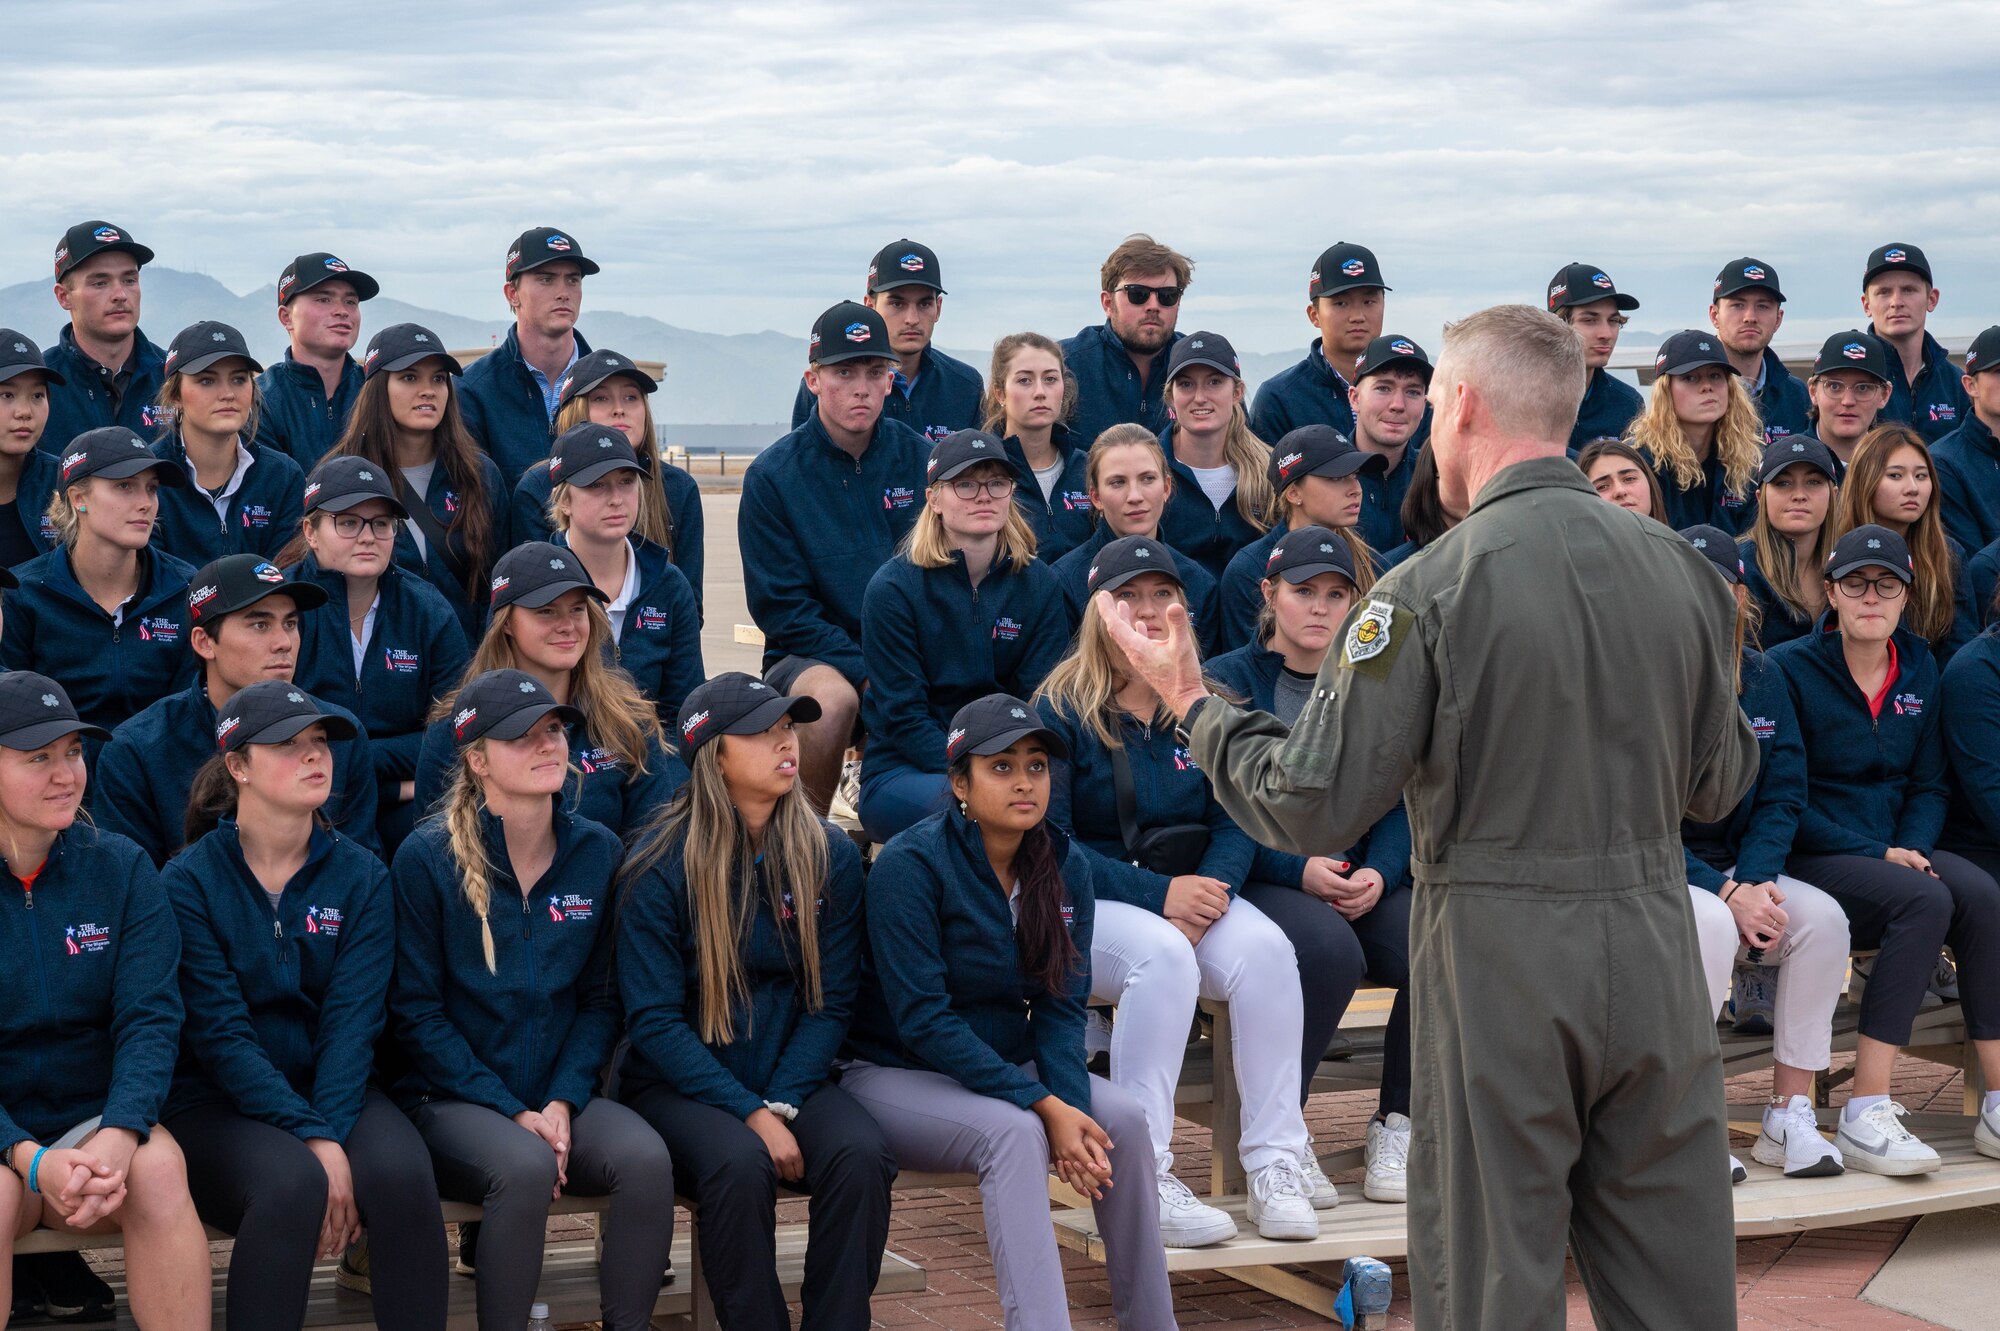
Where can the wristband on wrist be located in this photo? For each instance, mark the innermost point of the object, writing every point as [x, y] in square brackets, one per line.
[782, 1110]
[35, 1167]
[1734, 888]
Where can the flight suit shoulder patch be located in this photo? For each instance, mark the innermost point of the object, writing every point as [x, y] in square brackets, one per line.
[1375, 637]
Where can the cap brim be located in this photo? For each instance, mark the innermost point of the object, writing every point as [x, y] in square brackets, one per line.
[200, 363]
[1422, 368]
[1007, 739]
[589, 267]
[1347, 464]
[1844, 364]
[538, 597]
[800, 707]
[8, 372]
[1689, 366]
[892, 284]
[131, 247]
[1817, 464]
[520, 721]
[126, 468]
[1215, 365]
[1306, 572]
[285, 727]
[305, 595]
[1880, 269]
[646, 382]
[1359, 284]
[31, 737]
[365, 287]
[340, 503]
[1005, 460]
[1722, 291]
[838, 355]
[597, 471]
[405, 362]
[1840, 571]
[1117, 580]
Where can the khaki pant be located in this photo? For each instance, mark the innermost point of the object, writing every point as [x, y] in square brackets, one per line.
[1568, 1087]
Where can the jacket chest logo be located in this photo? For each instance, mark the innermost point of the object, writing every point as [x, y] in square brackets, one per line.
[570, 906]
[451, 501]
[898, 497]
[85, 939]
[935, 433]
[49, 533]
[399, 662]
[256, 515]
[1763, 727]
[1076, 501]
[159, 629]
[324, 920]
[1943, 411]
[598, 760]
[1183, 760]
[650, 619]
[1006, 629]
[1069, 915]
[155, 416]
[788, 909]
[1909, 704]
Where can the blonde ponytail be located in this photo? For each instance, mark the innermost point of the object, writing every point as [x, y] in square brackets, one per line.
[468, 851]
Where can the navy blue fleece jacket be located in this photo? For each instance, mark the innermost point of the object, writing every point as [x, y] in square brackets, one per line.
[599, 788]
[112, 670]
[1971, 688]
[504, 409]
[1062, 519]
[946, 395]
[1109, 389]
[261, 518]
[685, 527]
[1935, 403]
[1197, 585]
[1609, 405]
[90, 396]
[1756, 837]
[659, 642]
[297, 418]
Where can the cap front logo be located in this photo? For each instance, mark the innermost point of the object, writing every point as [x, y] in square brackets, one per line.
[1017, 714]
[218, 337]
[269, 573]
[1874, 544]
[857, 332]
[419, 337]
[1196, 344]
[1600, 280]
[1798, 448]
[49, 700]
[1854, 351]
[1403, 347]
[1354, 268]
[365, 475]
[21, 347]
[912, 263]
[1701, 543]
[526, 687]
[557, 565]
[295, 696]
[106, 234]
[334, 265]
[1754, 273]
[613, 360]
[559, 243]
[1892, 256]
[1142, 553]
[1703, 346]
[1325, 548]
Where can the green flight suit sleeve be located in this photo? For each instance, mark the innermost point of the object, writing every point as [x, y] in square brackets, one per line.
[1316, 787]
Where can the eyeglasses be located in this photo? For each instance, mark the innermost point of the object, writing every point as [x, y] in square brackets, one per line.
[999, 487]
[1854, 587]
[1137, 295]
[348, 526]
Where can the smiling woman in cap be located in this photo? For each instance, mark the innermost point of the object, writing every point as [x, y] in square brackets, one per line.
[287, 945]
[244, 496]
[548, 619]
[739, 941]
[1225, 499]
[1701, 433]
[28, 474]
[84, 1069]
[104, 610]
[968, 1033]
[407, 423]
[963, 610]
[509, 1025]
[1784, 556]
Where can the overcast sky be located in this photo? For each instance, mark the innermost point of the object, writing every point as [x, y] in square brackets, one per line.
[734, 167]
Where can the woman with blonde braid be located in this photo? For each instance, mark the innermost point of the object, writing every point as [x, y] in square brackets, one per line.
[1891, 483]
[1701, 433]
[507, 1013]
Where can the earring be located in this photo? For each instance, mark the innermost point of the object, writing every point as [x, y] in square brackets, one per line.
[83, 508]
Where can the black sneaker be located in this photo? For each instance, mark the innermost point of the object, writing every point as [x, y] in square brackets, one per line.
[71, 1291]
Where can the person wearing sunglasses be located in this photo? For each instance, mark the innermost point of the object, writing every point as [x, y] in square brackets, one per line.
[1121, 365]
[1866, 692]
[934, 394]
[1582, 296]
[963, 610]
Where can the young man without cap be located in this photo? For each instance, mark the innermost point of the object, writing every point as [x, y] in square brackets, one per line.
[1925, 392]
[1120, 365]
[308, 394]
[1582, 296]
[111, 373]
[1747, 309]
[509, 396]
[934, 394]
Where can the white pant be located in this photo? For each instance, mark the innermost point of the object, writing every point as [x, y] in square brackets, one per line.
[1812, 967]
[1143, 964]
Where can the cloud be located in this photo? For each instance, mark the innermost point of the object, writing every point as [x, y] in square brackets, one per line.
[733, 166]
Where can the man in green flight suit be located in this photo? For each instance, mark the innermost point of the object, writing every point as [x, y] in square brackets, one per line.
[1550, 685]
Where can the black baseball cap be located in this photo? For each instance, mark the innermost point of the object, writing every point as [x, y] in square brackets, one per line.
[1585, 284]
[1870, 546]
[310, 270]
[237, 582]
[19, 355]
[1204, 348]
[539, 246]
[993, 724]
[1720, 549]
[1126, 558]
[1746, 274]
[1983, 354]
[87, 239]
[1689, 350]
[1391, 351]
[1344, 267]
[343, 481]
[592, 370]
[115, 453]
[1307, 552]
[904, 263]
[734, 703]
[1319, 450]
[535, 573]
[270, 712]
[849, 331]
[1853, 350]
[1896, 255]
[967, 448]
[504, 704]
[1791, 449]
[34, 710]
[585, 454]
[399, 346]
[201, 345]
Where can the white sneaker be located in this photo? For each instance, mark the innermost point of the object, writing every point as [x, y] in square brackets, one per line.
[1986, 1133]
[1319, 1188]
[1756, 995]
[1186, 1221]
[1737, 1173]
[1388, 1157]
[1096, 1033]
[1877, 1144]
[1791, 1141]
[1277, 1204]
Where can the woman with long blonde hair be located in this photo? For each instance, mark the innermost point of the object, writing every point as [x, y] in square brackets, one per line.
[507, 1027]
[606, 388]
[1891, 483]
[1131, 483]
[548, 619]
[1701, 433]
[963, 610]
[1784, 557]
[1225, 499]
[1030, 395]
[739, 945]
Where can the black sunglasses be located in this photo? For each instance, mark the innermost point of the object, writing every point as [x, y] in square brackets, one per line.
[1139, 295]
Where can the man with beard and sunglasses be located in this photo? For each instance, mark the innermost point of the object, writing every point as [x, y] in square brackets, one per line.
[1120, 366]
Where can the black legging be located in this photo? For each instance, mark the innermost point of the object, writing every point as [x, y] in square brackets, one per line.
[724, 1166]
[1385, 940]
[266, 1187]
[1909, 916]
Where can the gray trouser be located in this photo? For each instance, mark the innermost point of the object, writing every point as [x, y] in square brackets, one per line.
[481, 1155]
[1568, 1084]
[934, 1124]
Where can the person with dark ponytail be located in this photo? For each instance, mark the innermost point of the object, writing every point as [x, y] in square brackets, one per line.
[287, 942]
[507, 1028]
[739, 949]
[406, 421]
[967, 1037]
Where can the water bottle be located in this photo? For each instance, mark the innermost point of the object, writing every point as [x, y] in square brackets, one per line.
[538, 1318]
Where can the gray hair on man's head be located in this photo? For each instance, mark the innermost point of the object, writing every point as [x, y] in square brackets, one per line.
[1526, 365]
